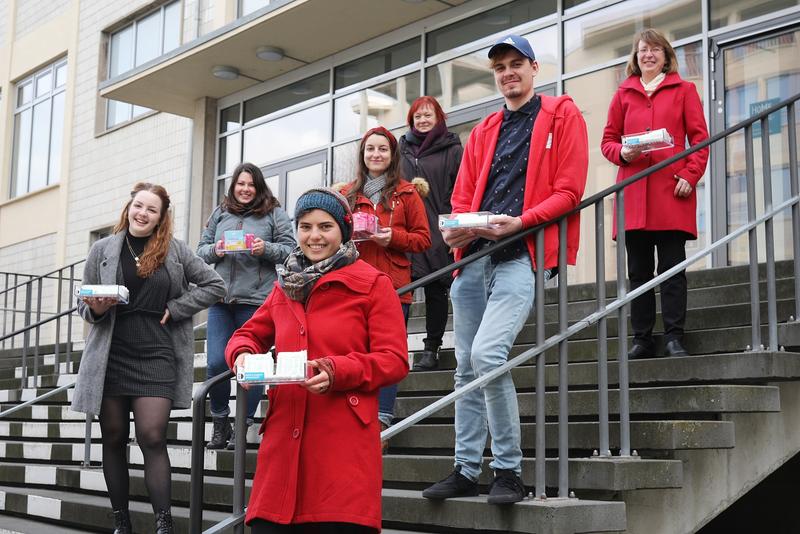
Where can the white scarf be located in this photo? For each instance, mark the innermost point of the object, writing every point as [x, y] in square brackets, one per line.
[650, 87]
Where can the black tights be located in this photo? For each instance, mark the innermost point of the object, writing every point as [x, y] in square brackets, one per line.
[259, 526]
[150, 416]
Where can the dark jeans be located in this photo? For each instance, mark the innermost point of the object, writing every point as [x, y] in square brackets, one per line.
[642, 245]
[259, 526]
[223, 320]
[436, 311]
[387, 395]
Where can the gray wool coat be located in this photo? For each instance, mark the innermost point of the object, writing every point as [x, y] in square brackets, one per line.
[183, 301]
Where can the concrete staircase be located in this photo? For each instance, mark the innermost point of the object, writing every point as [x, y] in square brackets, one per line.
[706, 429]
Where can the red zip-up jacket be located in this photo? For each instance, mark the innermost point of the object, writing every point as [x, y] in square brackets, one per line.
[557, 164]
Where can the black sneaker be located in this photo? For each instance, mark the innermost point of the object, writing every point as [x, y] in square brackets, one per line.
[427, 361]
[232, 440]
[455, 485]
[507, 488]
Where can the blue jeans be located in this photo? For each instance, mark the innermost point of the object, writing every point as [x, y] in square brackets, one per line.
[387, 395]
[491, 302]
[223, 320]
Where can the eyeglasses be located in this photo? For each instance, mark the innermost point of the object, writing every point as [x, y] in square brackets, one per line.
[653, 50]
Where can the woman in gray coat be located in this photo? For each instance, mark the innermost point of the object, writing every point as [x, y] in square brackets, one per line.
[139, 355]
[250, 207]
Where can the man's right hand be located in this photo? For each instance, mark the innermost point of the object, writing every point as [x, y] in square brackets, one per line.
[458, 237]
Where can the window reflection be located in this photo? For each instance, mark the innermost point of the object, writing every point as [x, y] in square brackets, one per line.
[386, 104]
[607, 34]
[229, 119]
[230, 149]
[286, 136]
[377, 63]
[286, 96]
[725, 12]
[468, 78]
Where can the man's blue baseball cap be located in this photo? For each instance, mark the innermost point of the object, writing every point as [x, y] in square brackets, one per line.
[520, 44]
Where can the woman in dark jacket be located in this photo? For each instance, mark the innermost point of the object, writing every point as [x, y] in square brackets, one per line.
[249, 206]
[431, 152]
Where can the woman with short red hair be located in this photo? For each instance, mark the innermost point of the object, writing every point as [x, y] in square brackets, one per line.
[428, 150]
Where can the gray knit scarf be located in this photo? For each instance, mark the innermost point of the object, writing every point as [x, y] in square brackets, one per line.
[373, 187]
[297, 275]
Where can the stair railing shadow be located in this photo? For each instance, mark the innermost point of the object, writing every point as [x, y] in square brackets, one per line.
[604, 309]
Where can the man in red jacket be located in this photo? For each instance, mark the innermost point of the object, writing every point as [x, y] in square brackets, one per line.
[526, 164]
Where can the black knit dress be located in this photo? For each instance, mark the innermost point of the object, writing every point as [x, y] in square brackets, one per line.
[141, 361]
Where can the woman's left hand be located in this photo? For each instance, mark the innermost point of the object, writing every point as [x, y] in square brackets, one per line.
[165, 318]
[320, 382]
[683, 188]
[258, 247]
[383, 237]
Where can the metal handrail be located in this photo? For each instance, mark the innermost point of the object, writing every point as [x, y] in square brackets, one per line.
[623, 298]
[48, 275]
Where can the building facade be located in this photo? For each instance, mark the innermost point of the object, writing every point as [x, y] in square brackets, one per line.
[95, 96]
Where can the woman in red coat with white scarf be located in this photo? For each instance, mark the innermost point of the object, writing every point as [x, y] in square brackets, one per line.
[660, 210]
[319, 465]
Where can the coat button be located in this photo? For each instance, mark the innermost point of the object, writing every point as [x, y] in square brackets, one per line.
[296, 433]
[649, 105]
[302, 330]
[353, 401]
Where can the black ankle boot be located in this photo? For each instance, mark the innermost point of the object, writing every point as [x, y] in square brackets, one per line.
[164, 523]
[221, 433]
[428, 360]
[122, 522]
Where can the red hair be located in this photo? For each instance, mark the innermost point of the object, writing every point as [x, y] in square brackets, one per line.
[421, 102]
[155, 252]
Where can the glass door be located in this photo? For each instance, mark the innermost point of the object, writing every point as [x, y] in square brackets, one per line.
[290, 179]
[754, 74]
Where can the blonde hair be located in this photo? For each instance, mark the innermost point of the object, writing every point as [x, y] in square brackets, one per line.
[653, 38]
[155, 252]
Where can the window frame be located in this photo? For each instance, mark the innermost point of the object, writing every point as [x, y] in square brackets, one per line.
[31, 81]
[132, 24]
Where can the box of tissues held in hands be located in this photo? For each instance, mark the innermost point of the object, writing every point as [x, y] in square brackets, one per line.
[478, 219]
[291, 367]
[120, 293]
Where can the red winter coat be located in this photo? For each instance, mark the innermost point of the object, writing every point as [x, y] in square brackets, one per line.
[320, 456]
[410, 233]
[650, 203]
[556, 177]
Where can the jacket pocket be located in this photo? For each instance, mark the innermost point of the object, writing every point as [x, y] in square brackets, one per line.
[363, 407]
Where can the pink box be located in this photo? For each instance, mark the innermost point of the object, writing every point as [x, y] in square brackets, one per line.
[248, 240]
[364, 225]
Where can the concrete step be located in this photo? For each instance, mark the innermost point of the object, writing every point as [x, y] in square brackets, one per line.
[709, 399]
[662, 435]
[612, 474]
[87, 512]
[21, 525]
[564, 516]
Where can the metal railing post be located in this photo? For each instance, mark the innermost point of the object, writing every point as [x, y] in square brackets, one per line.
[198, 443]
[57, 344]
[69, 367]
[755, 310]
[5, 307]
[563, 364]
[602, 328]
[14, 312]
[26, 336]
[38, 334]
[622, 337]
[769, 237]
[541, 443]
[87, 441]
[239, 455]
[795, 189]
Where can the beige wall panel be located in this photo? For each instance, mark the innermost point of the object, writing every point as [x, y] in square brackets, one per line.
[32, 14]
[32, 256]
[103, 168]
[41, 44]
[5, 5]
[29, 217]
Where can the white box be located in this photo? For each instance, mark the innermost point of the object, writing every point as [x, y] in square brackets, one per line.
[120, 293]
[478, 219]
[290, 368]
[649, 141]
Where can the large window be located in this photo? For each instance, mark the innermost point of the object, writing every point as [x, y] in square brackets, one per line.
[248, 6]
[38, 129]
[141, 41]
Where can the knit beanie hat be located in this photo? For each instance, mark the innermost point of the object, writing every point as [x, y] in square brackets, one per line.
[330, 201]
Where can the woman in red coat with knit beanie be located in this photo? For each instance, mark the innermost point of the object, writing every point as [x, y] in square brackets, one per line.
[319, 464]
[379, 189]
[660, 210]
